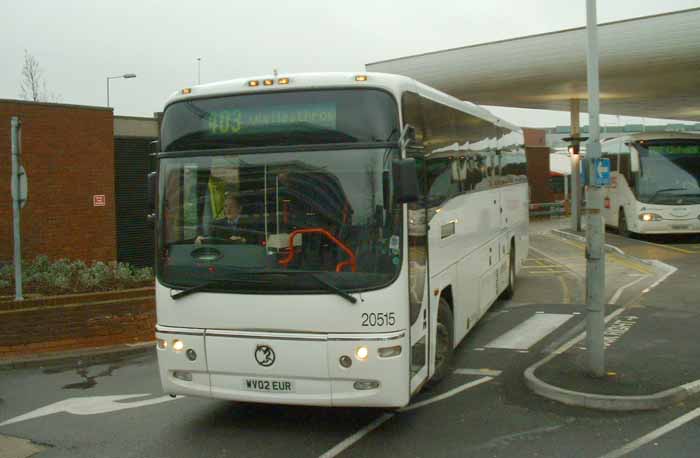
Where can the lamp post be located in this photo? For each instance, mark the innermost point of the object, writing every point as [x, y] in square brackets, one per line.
[125, 75]
[595, 228]
[199, 74]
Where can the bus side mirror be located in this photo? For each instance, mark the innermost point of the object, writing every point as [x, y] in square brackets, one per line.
[152, 190]
[634, 160]
[405, 180]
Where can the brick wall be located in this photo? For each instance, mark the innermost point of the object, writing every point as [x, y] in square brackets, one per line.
[68, 153]
[76, 321]
[537, 165]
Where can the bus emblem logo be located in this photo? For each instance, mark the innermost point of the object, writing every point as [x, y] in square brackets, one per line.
[264, 355]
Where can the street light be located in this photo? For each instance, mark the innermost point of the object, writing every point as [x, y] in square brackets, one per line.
[125, 75]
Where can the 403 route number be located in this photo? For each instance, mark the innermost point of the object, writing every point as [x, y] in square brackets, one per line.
[378, 319]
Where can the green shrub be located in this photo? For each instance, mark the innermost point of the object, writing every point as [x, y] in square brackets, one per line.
[64, 276]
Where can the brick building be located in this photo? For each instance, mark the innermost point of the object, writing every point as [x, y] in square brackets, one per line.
[132, 162]
[71, 154]
[538, 165]
[68, 154]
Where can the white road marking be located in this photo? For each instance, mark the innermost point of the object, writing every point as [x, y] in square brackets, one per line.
[489, 372]
[90, 406]
[668, 427]
[578, 338]
[530, 331]
[446, 395]
[671, 271]
[619, 291]
[618, 329]
[349, 441]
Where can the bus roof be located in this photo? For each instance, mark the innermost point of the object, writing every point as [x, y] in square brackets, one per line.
[395, 84]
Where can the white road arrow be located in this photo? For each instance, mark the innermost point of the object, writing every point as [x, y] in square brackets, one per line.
[90, 406]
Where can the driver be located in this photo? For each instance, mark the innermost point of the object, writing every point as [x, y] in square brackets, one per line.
[228, 227]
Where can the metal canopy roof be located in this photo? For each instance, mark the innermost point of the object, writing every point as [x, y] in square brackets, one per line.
[649, 66]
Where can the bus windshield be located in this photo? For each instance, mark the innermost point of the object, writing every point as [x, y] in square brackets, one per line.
[242, 218]
[670, 172]
[280, 119]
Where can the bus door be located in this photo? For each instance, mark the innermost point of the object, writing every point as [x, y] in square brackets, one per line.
[418, 284]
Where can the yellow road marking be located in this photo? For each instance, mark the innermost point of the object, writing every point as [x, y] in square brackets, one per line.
[613, 258]
[566, 294]
[541, 272]
[675, 248]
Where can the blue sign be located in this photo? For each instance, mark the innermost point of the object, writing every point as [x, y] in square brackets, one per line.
[601, 170]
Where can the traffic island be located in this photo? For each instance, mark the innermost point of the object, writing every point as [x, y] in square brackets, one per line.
[44, 327]
[649, 364]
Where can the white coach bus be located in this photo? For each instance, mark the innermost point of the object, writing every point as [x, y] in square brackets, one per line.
[328, 239]
[655, 185]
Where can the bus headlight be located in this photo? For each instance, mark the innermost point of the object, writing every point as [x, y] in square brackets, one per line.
[650, 217]
[361, 353]
[178, 345]
[162, 344]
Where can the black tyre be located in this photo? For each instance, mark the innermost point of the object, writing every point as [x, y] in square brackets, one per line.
[622, 224]
[444, 340]
[510, 290]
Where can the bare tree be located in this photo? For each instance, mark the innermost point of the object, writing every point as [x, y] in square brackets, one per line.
[33, 84]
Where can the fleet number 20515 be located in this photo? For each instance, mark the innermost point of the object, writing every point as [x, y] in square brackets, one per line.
[378, 319]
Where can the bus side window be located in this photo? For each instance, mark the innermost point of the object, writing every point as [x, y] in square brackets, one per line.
[624, 168]
[413, 115]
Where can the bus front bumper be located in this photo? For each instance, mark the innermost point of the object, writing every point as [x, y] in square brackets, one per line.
[286, 367]
[669, 226]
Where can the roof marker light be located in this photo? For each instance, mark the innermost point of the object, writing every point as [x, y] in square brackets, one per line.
[283, 81]
[361, 78]
[186, 91]
[253, 83]
[268, 82]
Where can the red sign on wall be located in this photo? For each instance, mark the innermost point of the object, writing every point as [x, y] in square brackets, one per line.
[98, 200]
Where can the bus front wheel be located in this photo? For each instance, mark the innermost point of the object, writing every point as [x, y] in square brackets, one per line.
[507, 293]
[444, 340]
[622, 224]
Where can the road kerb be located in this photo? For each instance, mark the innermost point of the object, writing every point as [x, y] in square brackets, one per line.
[85, 355]
[655, 401]
[601, 401]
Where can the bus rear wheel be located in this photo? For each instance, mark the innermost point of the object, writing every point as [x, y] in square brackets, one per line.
[444, 342]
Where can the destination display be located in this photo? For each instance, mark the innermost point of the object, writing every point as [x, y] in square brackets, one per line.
[305, 117]
[675, 149]
[245, 120]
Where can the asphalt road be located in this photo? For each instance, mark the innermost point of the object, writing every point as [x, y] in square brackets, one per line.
[482, 410]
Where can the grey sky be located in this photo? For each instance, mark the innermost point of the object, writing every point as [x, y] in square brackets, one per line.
[80, 42]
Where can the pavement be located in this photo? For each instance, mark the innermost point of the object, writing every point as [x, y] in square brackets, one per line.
[652, 353]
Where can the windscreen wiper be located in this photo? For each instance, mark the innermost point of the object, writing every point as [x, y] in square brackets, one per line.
[209, 284]
[326, 285]
[666, 190]
[331, 287]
